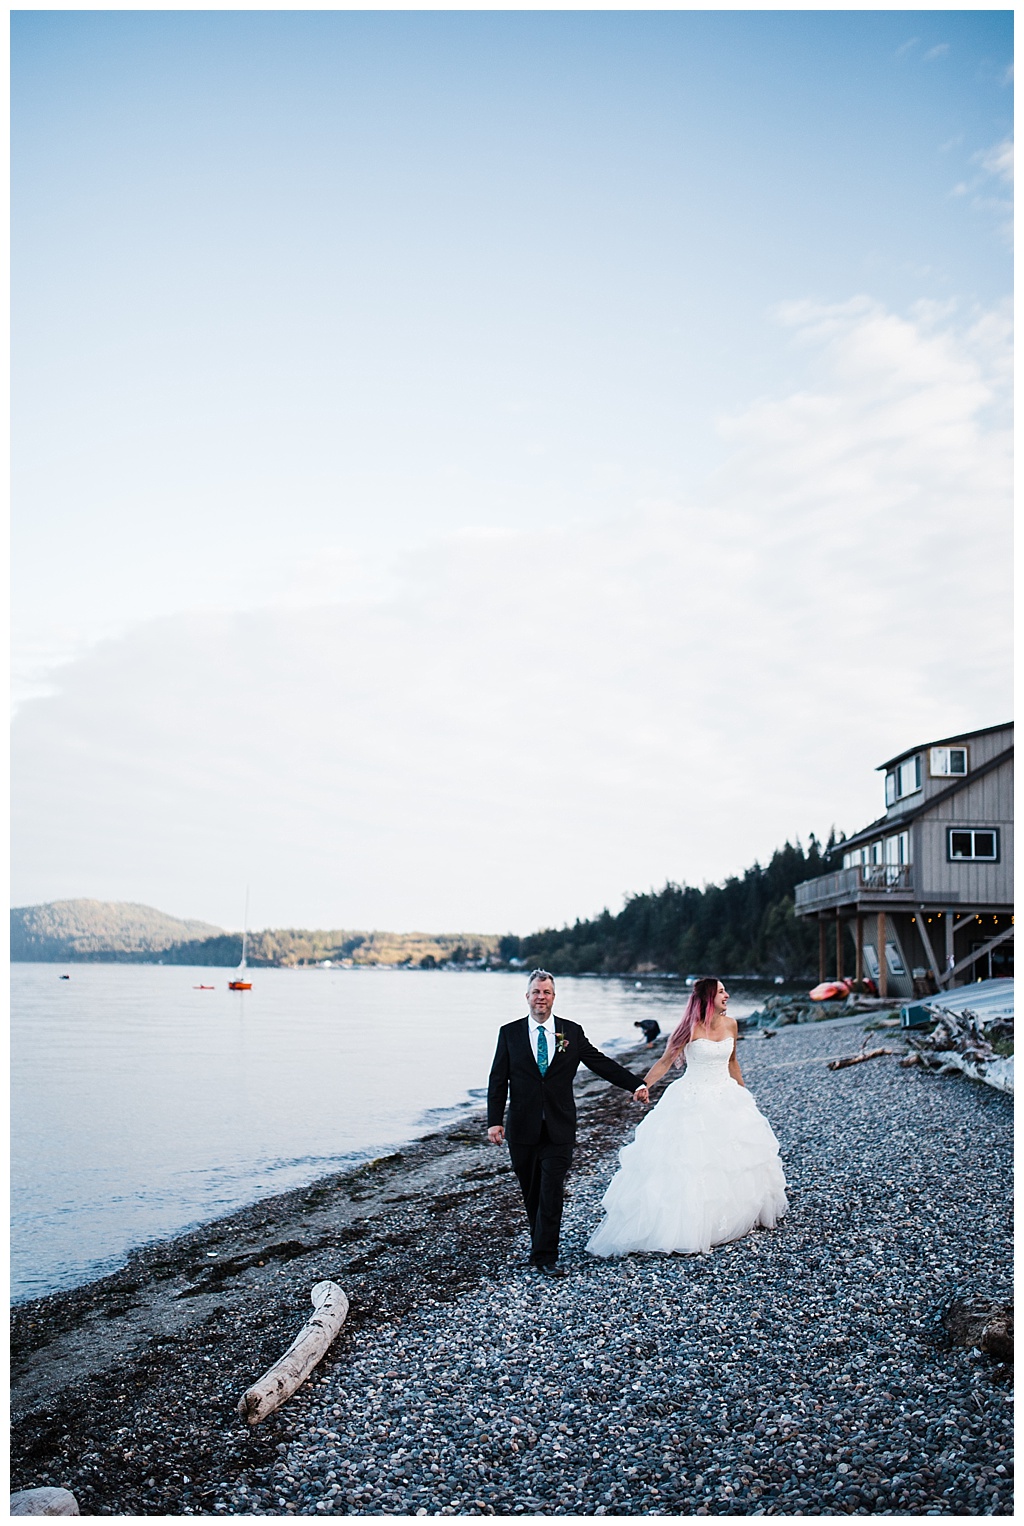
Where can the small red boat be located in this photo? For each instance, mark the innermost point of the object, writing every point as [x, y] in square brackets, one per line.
[204, 988]
[239, 985]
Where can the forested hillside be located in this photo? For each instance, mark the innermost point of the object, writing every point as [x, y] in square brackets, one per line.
[85, 929]
[744, 926]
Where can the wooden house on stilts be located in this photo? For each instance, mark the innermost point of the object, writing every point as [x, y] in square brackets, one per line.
[925, 894]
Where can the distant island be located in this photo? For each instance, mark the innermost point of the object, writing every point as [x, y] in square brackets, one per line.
[122, 932]
[746, 925]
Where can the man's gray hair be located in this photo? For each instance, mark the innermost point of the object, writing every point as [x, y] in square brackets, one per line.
[539, 975]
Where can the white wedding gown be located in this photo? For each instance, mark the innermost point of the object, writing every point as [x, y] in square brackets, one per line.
[703, 1167]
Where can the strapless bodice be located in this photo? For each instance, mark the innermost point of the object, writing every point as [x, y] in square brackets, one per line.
[707, 1062]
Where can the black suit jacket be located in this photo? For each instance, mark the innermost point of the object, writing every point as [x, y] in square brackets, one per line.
[548, 1098]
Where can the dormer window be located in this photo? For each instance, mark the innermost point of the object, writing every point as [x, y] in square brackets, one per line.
[947, 762]
[905, 779]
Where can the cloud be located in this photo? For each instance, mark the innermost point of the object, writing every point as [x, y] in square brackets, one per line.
[998, 160]
[939, 51]
[906, 47]
[520, 727]
[996, 163]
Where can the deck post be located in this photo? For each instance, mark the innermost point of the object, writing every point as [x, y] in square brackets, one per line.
[839, 944]
[821, 948]
[860, 950]
[883, 968]
[947, 976]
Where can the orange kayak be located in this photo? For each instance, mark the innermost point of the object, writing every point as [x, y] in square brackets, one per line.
[830, 989]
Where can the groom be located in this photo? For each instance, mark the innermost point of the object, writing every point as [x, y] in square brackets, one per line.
[537, 1058]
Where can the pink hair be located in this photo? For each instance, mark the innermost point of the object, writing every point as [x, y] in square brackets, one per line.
[700, 1004]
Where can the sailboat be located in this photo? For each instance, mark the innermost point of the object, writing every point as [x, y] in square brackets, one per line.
[240, 983]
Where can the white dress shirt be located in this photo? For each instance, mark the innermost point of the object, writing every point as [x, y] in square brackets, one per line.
[549, 1029]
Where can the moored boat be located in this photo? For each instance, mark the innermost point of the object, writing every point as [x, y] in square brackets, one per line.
[241, 982]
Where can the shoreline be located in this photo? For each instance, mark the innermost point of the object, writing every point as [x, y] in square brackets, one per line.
[792, 984]
[453, 1117]
[172, 1284]
[446, 1385]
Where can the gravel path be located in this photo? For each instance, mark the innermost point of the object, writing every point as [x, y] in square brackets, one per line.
[799, 1371]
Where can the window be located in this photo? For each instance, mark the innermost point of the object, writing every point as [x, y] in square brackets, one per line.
[947, 762]
[977, 844]
[905, 779]
[893, 961]
[897, 849]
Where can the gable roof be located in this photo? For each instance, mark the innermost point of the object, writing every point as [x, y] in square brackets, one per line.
[892, 822]
[963, 736]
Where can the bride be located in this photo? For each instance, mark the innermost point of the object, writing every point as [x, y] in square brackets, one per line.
[703, 1167]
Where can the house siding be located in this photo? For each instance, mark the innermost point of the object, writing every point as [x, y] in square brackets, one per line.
[988, 803]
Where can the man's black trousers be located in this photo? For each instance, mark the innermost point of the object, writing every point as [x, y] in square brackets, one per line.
[541, 1169]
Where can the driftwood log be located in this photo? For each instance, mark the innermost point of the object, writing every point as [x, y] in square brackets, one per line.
[982, 1324]
[964, 1041]
[857, 1059]
[47, 1501]
[279, 1382]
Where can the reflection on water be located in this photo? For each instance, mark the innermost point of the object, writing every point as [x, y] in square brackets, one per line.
[141, 1105]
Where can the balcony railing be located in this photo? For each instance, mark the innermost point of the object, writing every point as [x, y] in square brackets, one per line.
[850, 884]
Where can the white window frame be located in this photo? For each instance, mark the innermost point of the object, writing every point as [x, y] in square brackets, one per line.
[940, 763]
[972, 858]
[909, 768]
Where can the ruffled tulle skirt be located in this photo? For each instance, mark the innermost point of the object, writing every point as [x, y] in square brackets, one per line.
[702, 1169]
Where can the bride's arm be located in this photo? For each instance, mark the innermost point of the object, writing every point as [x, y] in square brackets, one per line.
[658, 1070]
[734, 1064]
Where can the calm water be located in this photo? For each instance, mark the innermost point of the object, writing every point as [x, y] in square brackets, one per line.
[141, 1106]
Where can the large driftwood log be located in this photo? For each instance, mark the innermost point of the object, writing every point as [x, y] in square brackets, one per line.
[857, 1059]
[963, 1041]
[46, 1501]
[279, 1382]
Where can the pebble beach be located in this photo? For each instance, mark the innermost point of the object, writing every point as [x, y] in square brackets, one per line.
[799, 1371]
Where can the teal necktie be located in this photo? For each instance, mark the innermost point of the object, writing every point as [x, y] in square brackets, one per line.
[542, 1049]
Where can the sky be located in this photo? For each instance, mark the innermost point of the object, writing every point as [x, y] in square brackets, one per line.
[470, 467]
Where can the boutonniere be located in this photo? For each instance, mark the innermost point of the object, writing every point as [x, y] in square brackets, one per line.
[561, 1043]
